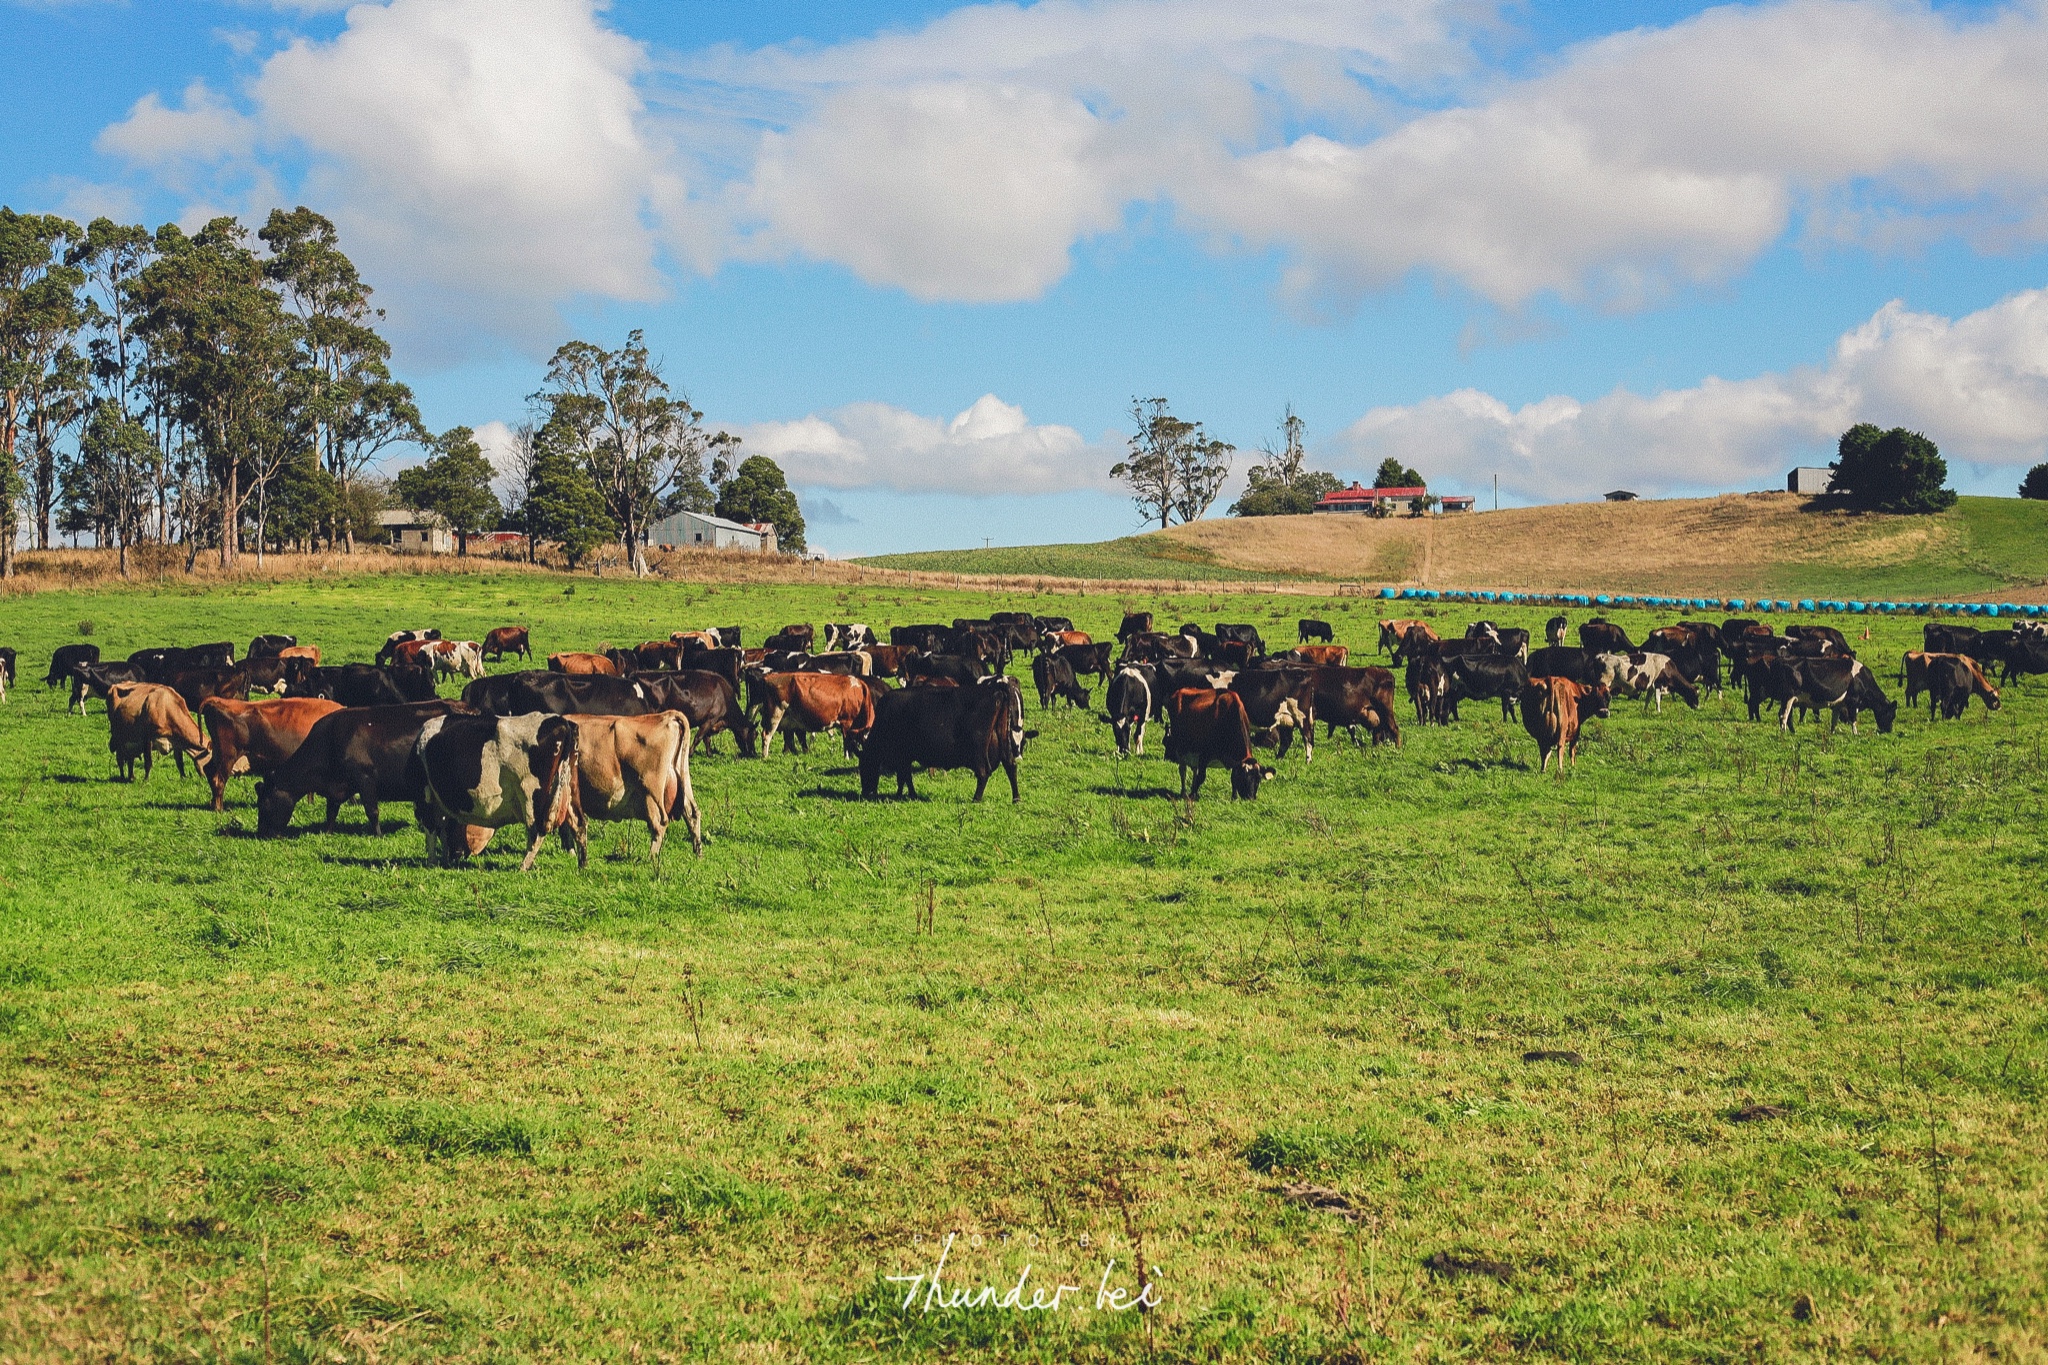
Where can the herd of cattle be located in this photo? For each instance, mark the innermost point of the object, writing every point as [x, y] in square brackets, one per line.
[608, 735]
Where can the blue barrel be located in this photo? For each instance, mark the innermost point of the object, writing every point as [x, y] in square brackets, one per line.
[1389, 592]
[1806, 604]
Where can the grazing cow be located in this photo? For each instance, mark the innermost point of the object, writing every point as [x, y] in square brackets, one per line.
[1051, 624]
[503, 640]
[1351, 697]
[1016, 626]
[1696, 656]
[1248, 635]
[146, 719]
[256, 737]
[708, 700]
[1648, 676]
[1308, 628]
[1153, 646]
[68, 657]
[1420, 639]
[638, 768]
[1129, 702]
[799, 636]
[396, 638]
[1566, 661]
[1395, 638]
[924, 639]
[560, 694]
[410, 654]
[1843, 687]
[1474, 677]
[1055, 679]
[491, 771]
[270, 646]
[1551, 711]
[728, 664]
[1938, 637]
[979, 727]
[981, 642]
[1706, 632]
[945, 670]
[273, 675]
[2026, 654]
[794, 704]
[195, 685]
[847, 635]
[1280, 702]
[1952, 679]
[1322, 656]
[1063, 639]
[582, 664]
[363, 752]
[6, 667]
[1134, 623]
[457, 658]
[94, 680]
[1553, 631]
[1204, 727]
[1601, 636]
[366, 684]
[1429, 690]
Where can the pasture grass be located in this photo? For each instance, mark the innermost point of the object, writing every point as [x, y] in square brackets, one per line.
[1730, 1045]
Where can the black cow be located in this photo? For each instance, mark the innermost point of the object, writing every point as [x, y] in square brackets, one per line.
[1055, 679]
[93, 680]
[1135, 623]
[1042, 624]
[727, 663]
[560, 694]
[979, 727]
[1553, 634]
[1147, 647]
[66, 658]
[708, 699]
[924, 639]
[1279, 701]
[1842, 686]
[1429, 689]
[1129, 703]
[1248, 635]
[1566, 661]
[269, 646]
[1477, 676]
[1733, 632]
[1204, 643]
[1088, 659]
[790, 640]
[1939, 637]
[1951, 681]
[1601, 636]
[1172, 675]
[1308, 629]
[2026, 654]
[925, 670]
[366, 684]
[728, 636]
[195, 685]
[361, 752]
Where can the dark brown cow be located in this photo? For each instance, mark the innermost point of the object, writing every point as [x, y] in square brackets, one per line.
[1394, 637]
[1552, 709]
[1204, 726]
[887, 660]
[255, 737]
[364, 751]
[1601, 636]
[507, 640]
[195, 685]
[1135, 623]
[1351, 697]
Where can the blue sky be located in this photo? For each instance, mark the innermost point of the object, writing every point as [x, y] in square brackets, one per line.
[925, 254]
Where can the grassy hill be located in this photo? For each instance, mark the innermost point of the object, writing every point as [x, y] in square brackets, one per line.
[1741, 544]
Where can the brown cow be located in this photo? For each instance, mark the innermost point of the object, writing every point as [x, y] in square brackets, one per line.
[809, 703]
[707, 638]
[1394, 636]
[146, 719]
[1204, 726]
[195, 685]
[582, 663]
[255, 736]
[660, 655]
[887, 660]
[1060, 639]
[413, 653]
[507, 640]
[638, 768]
[310, 653]
[1332, 656]
[1551, 711]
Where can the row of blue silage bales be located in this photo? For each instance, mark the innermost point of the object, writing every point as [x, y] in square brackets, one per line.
[1739, 604]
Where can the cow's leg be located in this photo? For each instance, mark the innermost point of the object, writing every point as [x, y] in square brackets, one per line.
[1194, 793]
[536, 835]
[772, 716]
[981, 777]
[1010, 767]
[1140, 749]
[1785, 720]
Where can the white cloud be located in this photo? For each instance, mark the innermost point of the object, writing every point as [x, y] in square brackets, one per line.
[990, 448]
[1978, 385]
[488, 158]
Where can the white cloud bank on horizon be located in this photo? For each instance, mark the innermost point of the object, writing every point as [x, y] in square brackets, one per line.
[991, 448]
[508, 156]
[1978, 385]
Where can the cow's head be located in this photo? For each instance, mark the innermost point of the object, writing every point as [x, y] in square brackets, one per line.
[274, 807]
[1247, 777]
[1886, 712]
[1593, 701]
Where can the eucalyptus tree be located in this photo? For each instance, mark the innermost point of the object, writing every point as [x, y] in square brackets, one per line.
[1174, 468]
[642, 445]
[40, 314]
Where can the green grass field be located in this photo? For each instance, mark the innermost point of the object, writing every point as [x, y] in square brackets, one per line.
[313, 1100]
[1128, 557]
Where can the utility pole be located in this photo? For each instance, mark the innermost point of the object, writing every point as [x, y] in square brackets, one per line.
[1496, 492]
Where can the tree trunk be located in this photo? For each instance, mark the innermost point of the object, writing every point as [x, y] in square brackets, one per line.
[230, 517]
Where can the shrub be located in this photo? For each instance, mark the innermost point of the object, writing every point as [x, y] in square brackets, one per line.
[1890, 471]
[2035, 485]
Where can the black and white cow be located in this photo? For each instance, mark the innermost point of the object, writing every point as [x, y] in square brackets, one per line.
[493, 771]
[1130, 705]
[1648, 676]
[840, 635]
[1843, 686]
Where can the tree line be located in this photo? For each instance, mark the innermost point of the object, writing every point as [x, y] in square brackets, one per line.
[223, 389]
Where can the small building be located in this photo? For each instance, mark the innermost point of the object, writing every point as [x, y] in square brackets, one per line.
[1809, 479]
[702, 531]
[417, 532]
[1455, 502]
[1373, 501]
[1621, 495]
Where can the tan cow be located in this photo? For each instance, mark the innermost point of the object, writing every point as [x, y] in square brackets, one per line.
[146, 719]
[582, 664]
[255, 737]
[638, 768]
[310, 653]
[1326, 656]
[809, 703]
